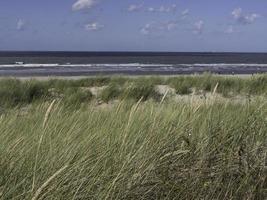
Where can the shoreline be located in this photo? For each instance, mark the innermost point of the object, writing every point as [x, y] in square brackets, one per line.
[45, 78]
[39, 73]
[129, 70]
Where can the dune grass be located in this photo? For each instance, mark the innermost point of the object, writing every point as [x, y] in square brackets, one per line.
[135, 151]
[56, 142]
[14, 92]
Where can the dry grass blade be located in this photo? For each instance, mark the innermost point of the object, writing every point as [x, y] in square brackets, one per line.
[48, 112]
[119, 106]
[40, 141]
[165, 95]
[215, 89]
[137, 104]
[133, 110]
[39, 191]
[175, 153]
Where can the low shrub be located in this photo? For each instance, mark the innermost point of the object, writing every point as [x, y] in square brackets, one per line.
[182, 89]
[137, 91]
[111, 92]
[74, 97]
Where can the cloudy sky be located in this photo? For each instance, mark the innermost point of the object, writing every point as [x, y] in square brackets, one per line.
[134, 25]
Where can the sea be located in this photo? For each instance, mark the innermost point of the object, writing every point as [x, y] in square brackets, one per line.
[13, 63]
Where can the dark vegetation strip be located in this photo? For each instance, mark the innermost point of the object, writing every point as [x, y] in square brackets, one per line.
[15, 92]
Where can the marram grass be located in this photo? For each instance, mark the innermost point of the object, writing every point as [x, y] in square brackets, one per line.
[16, 93]
[143, 150]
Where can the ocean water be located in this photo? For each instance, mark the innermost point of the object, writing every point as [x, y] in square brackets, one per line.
[131, 63]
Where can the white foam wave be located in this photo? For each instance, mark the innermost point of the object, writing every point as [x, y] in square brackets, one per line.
[87, 65]
[135, 65]
[225, 65]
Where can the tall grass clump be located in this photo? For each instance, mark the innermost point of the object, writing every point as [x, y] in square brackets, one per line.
[111, 92]
[140, 90]
[134, 89]
[34, 90]
[257, 85]
[14, 92]
[18, 93]
[84, 82]
[227, 86]
[183, 88]
[145, 150]
[74, 97]
[10, 92]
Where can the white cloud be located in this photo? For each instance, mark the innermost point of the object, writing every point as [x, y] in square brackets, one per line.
[160, 9]
[151, 9]
[198, 27]
[185, 13]
[229, 30]
[237, 13]
[242, 18]
[158, 27]
[170, 25]
[163, 9]
[95, 26]
[146, 29]
[21, 24]
[134, 7]
[83, 4]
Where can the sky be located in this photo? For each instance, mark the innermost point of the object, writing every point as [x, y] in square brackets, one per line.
[134, 25]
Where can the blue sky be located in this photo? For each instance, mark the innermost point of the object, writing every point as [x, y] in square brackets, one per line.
[134, 25]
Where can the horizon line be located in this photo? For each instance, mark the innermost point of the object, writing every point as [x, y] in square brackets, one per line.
[74, 51]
